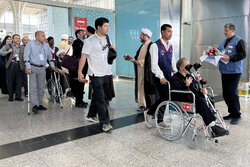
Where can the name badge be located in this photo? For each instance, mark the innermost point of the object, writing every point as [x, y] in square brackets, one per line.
[17, 57]
[230, 47]
[41, 57]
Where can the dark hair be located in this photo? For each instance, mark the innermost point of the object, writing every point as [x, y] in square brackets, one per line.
[100, 21]
[231, 26]
[4, 41]
[164, 27]
[13, 36]
[70, 37]
[179, 63]
[50, 38]
[77, 32]
[91, 29]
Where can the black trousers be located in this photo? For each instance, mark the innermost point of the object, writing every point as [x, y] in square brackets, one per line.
[77, 87]
[230, 93]
[24, 83]
[14, 77]
[109, 90]
[203, 109]
[3, 83]
[163, 92]
[98, 105]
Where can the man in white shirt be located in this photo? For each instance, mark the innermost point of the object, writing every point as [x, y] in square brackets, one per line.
[163, 64]
[95, 50]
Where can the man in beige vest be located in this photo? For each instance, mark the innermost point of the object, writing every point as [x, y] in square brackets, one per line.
[14, 67]
[140, 68]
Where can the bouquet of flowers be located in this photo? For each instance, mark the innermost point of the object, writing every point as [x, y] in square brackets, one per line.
[213, 52]
[212, 55]
[128, 58]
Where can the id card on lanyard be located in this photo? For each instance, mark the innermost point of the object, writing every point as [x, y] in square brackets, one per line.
[41, 52]
[165, 49]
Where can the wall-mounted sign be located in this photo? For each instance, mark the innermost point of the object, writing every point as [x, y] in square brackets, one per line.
[80, 24]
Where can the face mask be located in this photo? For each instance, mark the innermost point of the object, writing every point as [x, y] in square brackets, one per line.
[188, 67]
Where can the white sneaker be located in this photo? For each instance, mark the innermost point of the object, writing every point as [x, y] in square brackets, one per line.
[106, 127]
[110, 126]
[148, 119]
[92, 119]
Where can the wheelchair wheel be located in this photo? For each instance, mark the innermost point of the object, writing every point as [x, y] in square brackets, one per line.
[191, 137]
[51, 89]
[169, 120]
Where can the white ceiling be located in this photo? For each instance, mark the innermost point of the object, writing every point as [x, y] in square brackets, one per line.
[32, 8]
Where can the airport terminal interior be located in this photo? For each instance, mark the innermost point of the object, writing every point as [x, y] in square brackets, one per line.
[63, 135]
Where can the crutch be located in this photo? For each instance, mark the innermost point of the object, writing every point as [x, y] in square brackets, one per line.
[57, 87]
[28, 80]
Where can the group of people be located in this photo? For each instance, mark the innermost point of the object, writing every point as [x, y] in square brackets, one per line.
[39, 58]
[155, 64]
[13, 76]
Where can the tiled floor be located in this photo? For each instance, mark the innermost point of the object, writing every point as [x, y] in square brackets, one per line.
[132, 145]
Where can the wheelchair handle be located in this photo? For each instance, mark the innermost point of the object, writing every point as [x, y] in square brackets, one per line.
[169, 90]
[183, 91]
[179, 91]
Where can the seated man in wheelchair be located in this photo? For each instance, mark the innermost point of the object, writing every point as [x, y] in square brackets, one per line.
[57, 61]
[182, 80]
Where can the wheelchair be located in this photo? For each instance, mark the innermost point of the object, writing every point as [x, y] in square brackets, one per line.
[55, 88]
[175, 119]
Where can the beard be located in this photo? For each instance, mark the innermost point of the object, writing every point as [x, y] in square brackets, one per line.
[143, 41]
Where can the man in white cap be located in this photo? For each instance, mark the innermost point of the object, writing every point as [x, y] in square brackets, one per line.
[63, 45]
[143, 71]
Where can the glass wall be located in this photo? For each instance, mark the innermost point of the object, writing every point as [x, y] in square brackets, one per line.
[131, 16]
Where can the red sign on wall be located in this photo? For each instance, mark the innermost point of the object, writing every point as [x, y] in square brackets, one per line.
[80, 24]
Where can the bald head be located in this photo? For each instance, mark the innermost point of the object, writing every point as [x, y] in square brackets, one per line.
[37, 33]
[40, 36]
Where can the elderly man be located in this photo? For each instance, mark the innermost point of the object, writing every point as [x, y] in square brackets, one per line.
[25, 40]
[36, 55]
[182, 81]
[234, 49]
[141, 69]
[70, 42]
[163, 65]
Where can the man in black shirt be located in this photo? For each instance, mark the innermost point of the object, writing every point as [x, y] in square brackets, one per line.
[180, 81]
[76, 86]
